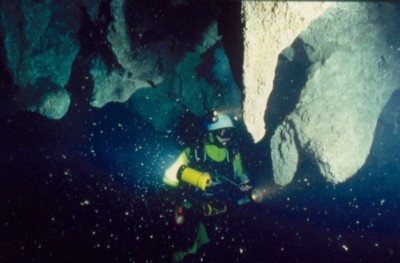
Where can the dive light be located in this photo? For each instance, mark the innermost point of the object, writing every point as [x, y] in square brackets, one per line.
[258, 195]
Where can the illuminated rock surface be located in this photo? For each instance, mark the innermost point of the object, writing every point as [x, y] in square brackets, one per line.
[269, 28]
[355, 69]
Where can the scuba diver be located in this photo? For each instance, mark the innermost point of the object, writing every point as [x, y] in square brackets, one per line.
[210, 177]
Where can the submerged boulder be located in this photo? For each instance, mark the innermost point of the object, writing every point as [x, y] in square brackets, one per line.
[40, 43]
[355, 68]
[269, 28]
[54, 104]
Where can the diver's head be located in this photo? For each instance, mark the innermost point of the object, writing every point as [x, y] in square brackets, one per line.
[223, 136]
[221, 127]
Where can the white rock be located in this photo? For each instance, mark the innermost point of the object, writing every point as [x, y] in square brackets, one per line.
[269, 28]
[355, 71]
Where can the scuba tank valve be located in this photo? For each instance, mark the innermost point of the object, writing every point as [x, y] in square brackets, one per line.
[194, 177]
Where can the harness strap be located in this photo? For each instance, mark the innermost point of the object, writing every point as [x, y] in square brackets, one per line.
[196, 155]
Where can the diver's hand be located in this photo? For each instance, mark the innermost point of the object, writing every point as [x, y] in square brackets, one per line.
[245, 187]
[245, 183]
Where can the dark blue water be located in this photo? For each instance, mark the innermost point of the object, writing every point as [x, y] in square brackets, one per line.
[89, 188]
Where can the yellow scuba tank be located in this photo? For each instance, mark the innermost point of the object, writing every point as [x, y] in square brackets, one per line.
[194, 177]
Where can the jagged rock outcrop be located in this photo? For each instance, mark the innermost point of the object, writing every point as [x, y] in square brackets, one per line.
[197, 78]
[195, 84]
[269, 28]
[178, 57]
[40, 48]
[139, 66]
[172, 48]
[355, 68]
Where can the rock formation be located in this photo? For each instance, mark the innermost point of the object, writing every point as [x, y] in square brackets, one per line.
[40, 49]
[139, 66]
[196, 75]
[269, 28]
[172, 48]
[355, 68]
[170, 54]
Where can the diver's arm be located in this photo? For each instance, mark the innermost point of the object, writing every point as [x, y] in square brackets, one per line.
[241, 173]
[179, 171]
[170, 175]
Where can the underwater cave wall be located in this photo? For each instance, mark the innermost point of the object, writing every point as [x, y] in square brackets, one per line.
[142, 53]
